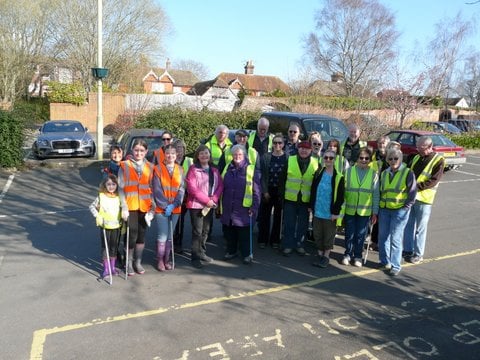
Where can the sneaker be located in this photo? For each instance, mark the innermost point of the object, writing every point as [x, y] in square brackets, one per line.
[385, 267]
[318, 259]
[196, 263]
[346, 260]
[393, 272]
[324, 261]
[206, 258]
[357, 263]
[416, 259]
[407, 255]
[261, 245]
[229, 256]
[287, 251]
[300, 251]
[247, 260]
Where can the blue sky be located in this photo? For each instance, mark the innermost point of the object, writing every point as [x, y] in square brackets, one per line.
[223, 34]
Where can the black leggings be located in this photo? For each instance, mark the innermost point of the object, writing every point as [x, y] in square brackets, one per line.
[112, 242]
[137, 227]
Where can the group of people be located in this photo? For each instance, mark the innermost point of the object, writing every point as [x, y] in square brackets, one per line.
[243, 183]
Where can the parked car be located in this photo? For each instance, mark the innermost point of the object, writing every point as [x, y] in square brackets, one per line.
[60, 138]
[463, 124]
[153, 137]
[454, 155]
[329, 127]
[436, 126]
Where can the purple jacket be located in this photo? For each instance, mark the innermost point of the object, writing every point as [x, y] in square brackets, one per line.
[197, 187]
[233, 212]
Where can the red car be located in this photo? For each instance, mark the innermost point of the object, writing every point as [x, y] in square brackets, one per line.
[454, 155]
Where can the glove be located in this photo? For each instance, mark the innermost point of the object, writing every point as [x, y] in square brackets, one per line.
[99, 220]
[148, 218]
[168, 210]
[125, 214]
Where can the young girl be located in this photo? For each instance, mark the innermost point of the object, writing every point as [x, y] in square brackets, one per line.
[116, 155]
[106, 209]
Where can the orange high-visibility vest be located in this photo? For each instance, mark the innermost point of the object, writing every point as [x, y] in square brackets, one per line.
[170, 185]
[159, 155]
[138, 193]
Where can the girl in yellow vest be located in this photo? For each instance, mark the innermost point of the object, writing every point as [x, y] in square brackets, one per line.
[361, 206]
[168, 192]
[107, 210]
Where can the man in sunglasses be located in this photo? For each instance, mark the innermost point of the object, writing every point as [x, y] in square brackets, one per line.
[293, 138]
[428, 167]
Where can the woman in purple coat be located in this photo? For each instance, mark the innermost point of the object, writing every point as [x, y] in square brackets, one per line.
[240, 202]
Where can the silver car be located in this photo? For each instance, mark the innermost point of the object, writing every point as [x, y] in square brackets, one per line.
[60, 138]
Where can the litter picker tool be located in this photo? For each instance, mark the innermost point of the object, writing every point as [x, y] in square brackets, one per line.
[127, 244]
[108, 257]
[368, 240]
[170, 228]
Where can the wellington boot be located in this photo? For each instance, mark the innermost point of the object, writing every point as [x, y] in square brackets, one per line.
[106, 271]
[113, 263]
[138, 258]
[166, 258]
[130, 270]
[160, 256]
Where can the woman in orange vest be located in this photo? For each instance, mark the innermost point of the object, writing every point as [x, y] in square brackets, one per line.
[134, 181]
[168, 192]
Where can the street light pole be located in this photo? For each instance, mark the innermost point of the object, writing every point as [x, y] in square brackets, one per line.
[99, 82]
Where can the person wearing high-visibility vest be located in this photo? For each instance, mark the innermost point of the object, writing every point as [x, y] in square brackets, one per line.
[328, 188]
[168, 192]
[428, 167]
[107, 210]
[361, 206]
[240, 203]
[135, 188]
[340, 163]
[351, 147]
[300, 171]
[398, 189]
[252, 154]
[185, 162]
[159, 154]
[293, 139]
[315, 139]
[219, 145]
[261, 139]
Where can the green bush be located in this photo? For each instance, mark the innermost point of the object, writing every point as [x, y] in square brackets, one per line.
[11, 140]
[32, 112]
[469, 140]
[194, 126]
[73, 93]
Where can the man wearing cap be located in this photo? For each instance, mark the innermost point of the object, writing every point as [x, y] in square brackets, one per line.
[241, 138]
[300, 171]
[261, 140]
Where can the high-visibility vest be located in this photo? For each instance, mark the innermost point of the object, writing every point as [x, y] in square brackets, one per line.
[376, 164]
[159, 155]
[109, 210]
[359, 196]
[298, 182]
[250, 172]
[187, 162]
[252, 155]
[339, 163]
[428, 195]
[138, 193]
[170, 184]
[394, 192]
[216, 151]
[251, 140]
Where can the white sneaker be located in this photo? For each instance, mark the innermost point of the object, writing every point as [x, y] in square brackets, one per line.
[346, 260]
[357, 263]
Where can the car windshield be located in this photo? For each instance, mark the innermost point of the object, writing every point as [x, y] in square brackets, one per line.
[440, 140]
[62, 127]
[153, 142]
[329, 129]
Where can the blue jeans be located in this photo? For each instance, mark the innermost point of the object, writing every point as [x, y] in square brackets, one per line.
[391, 226]
[164, 233]
[295, 224]
[416, 230]
[356, 228]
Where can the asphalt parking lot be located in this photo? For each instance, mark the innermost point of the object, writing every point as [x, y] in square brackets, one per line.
[52, 306]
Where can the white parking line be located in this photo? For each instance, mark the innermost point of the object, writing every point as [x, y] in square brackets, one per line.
[458, 181]
[466, 173]
[6, 187]
[41, 213]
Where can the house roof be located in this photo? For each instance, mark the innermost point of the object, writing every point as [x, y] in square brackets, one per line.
[181, 77]
[252, 82]
[328, 88]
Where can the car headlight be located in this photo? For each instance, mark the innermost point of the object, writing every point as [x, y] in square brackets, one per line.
[87, 142]
[43, 142]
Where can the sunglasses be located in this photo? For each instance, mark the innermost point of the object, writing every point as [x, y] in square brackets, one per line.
[364, 157]
[393, 158]
[166, 139]
[278, 142]
[328, 157]
[316, 144]
[292, 131]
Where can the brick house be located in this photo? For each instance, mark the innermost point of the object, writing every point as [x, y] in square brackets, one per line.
[167, 80]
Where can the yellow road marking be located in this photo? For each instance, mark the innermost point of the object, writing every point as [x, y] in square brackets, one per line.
[40, 336]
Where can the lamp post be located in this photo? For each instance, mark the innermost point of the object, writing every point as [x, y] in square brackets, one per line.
[99, 73]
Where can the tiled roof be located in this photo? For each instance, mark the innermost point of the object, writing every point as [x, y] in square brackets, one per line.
[181, 77]
[252, 82]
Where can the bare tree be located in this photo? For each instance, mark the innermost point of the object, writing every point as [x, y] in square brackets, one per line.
[132, 29]
[444, 52]
[355, 39]
[22, 39]
[469, 82]
[196, 68]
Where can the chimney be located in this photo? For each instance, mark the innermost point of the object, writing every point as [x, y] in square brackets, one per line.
[337, 77]
[249, 68]
[167, 65]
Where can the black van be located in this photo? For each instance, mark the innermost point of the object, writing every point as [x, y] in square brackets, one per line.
[329, 127]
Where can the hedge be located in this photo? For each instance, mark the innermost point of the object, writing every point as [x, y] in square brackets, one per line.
[11, 140]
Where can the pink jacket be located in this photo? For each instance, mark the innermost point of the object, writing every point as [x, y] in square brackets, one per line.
[197, 187]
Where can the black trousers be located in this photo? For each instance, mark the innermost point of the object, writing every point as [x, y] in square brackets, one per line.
[265, 234]
[200, 230]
